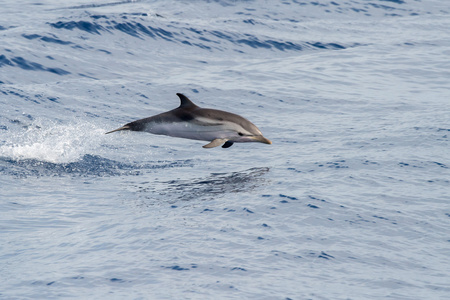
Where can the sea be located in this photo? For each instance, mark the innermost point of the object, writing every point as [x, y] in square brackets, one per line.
[351, 201]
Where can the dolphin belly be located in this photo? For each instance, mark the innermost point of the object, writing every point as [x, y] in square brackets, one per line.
[189, 130]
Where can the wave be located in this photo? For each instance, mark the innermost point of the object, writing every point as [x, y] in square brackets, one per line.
[261, 32]
[190, 36]
[24, 64]
[86, 166]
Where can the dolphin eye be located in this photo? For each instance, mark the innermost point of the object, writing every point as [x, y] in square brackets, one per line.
[240, 133]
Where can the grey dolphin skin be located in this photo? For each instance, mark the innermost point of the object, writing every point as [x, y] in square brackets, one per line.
[192, 122]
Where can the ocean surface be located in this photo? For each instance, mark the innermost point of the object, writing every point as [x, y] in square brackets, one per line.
[351, 201]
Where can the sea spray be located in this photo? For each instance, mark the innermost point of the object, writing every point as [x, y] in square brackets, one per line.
[48, 141]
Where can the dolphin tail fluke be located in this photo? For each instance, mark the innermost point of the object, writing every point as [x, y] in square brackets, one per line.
[126, 127]
[215, 143]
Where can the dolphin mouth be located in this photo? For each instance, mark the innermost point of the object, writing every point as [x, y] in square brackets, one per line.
[262, 139]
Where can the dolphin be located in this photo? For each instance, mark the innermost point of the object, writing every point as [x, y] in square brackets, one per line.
[190, 121]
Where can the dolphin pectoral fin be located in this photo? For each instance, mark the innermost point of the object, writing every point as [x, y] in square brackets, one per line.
[227, 144]
[126, 127]
[215, 143]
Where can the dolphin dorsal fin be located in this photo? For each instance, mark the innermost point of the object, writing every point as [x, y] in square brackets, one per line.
[185, 102]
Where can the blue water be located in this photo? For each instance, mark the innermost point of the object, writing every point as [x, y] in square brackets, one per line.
[351, 201]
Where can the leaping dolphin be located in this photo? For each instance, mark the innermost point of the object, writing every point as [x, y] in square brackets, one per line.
[190, 121]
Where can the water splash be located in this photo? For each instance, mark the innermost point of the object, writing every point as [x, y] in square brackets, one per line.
[45, 140]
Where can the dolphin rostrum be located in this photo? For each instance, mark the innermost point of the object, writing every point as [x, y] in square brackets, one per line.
[192, 122]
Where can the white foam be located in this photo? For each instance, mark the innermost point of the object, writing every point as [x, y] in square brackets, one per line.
[48, 141]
